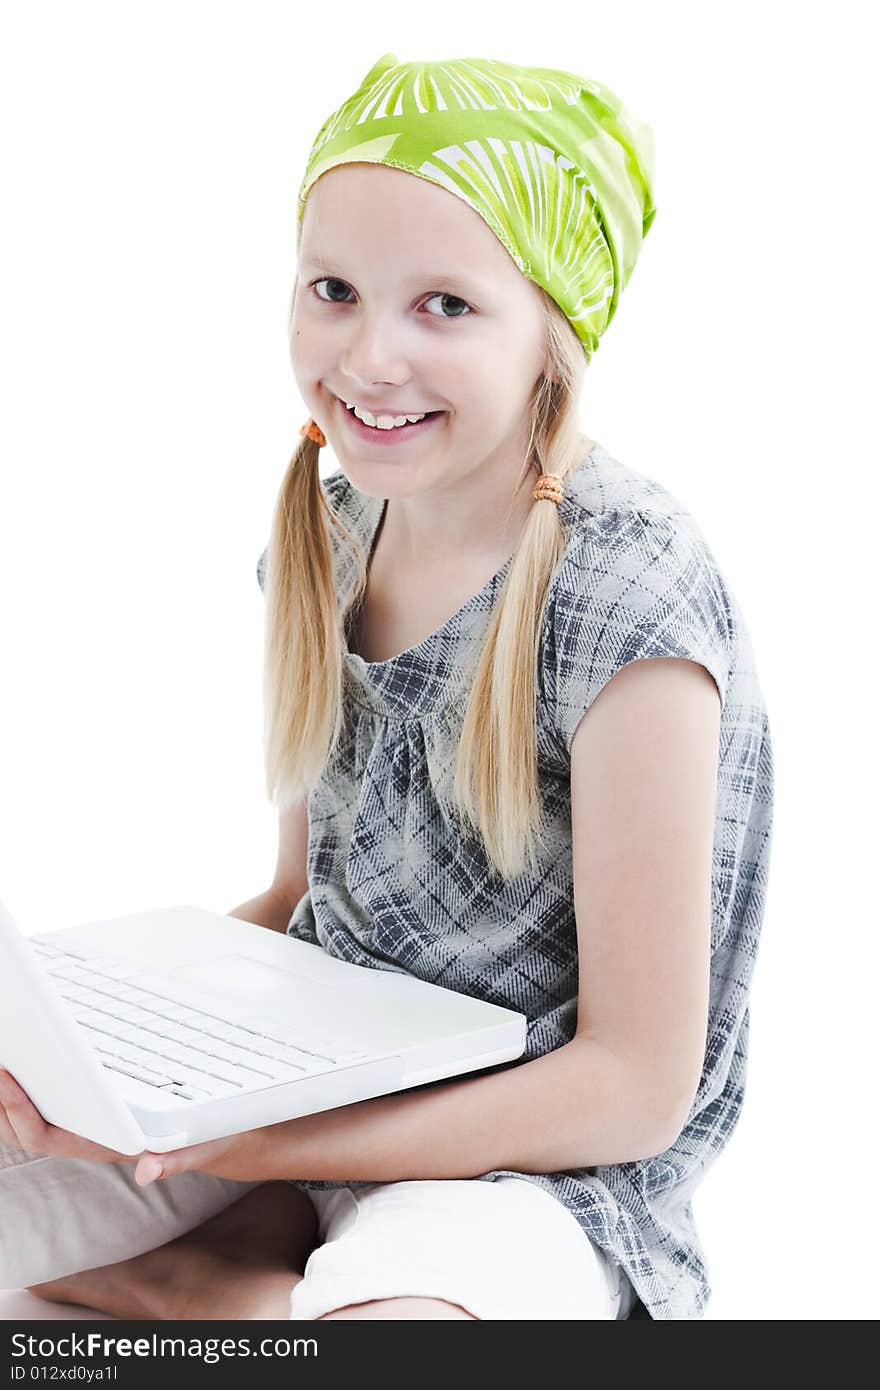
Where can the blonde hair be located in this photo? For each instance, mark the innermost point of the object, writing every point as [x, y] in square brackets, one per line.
[495, 781]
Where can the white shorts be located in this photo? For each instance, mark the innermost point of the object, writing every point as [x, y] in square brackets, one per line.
[505, 1249]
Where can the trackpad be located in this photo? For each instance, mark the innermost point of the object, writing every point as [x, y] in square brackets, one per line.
[246, 981]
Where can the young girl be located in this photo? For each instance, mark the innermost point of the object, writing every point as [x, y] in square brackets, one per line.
[483, 780]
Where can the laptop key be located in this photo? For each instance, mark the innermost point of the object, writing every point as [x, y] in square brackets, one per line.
[139, 1074]
[279, 1053]
[133, 1013]
[189, 1093]
[182, 1073]
[78, 994]
[178, 1032]
[83, 1014]
[125, 1013]
[181, 1054]
[175, 1012]
[66, 971]
[231, 1033]
[334, 1050]
[157, 1066]
[118, 969]
[213, 1026]
[261, 1066]
[126, 1031]
[192, 1075]
[81, 994]
[210, 1052]
[131, 993]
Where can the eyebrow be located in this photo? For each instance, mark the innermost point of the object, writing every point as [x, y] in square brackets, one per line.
[456, 277]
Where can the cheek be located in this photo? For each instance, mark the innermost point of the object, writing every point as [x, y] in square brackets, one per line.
[312, 356]
[490, 403]
[468, 382]
[311, 334]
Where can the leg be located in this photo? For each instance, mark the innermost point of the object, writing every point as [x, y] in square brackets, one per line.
[243, 1263]
[400, 1308]
[62, 1215]
[452, 1248]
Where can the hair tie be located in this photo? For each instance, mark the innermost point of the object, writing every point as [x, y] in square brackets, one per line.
[313, 431]
[549, 488]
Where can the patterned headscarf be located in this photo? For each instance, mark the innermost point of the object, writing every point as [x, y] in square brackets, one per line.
[553, 163]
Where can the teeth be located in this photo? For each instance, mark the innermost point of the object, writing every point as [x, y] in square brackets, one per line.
[383, 422]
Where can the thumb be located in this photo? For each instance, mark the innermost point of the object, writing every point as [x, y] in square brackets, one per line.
[149, 1167]
[152, 1166]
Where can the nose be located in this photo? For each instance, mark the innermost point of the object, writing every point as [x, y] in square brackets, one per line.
[372, 357]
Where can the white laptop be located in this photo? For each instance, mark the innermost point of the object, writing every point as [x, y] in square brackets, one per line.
[169, 1028]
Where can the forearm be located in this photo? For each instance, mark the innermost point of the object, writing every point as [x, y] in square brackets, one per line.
[267, 909]
[576, 1107]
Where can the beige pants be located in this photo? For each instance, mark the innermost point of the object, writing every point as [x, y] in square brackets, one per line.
[61, 1215]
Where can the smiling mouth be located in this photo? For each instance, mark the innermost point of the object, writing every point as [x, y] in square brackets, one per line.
[388, 414]
[378, 432]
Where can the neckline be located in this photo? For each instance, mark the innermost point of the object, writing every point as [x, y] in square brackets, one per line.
[432, 637]
[377, 514]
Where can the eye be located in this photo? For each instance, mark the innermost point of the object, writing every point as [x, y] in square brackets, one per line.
[455, 300]
[449, 298]
[329, 280]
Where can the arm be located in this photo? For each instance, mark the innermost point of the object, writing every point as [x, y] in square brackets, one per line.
[267, 909]
[644, 787]
[644, 769]
[575, 1107]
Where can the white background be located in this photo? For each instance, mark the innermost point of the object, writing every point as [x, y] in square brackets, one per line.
[151, 159]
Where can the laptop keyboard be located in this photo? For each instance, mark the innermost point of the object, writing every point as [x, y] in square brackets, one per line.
[178, 1047]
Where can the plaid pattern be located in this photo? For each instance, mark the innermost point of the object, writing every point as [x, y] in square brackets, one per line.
[394, 885]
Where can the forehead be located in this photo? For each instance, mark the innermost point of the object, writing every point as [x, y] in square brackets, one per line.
[364, 214]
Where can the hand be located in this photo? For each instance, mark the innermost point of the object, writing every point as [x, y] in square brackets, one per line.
[22, 1127]
[245, 1157]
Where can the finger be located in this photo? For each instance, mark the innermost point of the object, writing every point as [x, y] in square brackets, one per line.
[27, 1123]
[8, 1135]
[151, 1166]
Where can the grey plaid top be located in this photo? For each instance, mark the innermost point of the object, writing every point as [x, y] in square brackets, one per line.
[393, 886]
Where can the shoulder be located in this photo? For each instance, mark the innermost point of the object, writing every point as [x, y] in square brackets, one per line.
[630, 559]
[636, 579]
[627, 538]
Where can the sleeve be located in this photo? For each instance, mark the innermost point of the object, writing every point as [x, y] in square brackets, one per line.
[631, 585]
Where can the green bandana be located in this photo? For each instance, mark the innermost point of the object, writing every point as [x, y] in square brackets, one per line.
[553, 163]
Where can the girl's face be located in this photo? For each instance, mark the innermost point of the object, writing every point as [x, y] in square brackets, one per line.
[407, 302]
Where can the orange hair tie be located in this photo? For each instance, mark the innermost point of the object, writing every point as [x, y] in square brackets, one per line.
[315, 432]
[549, 488]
